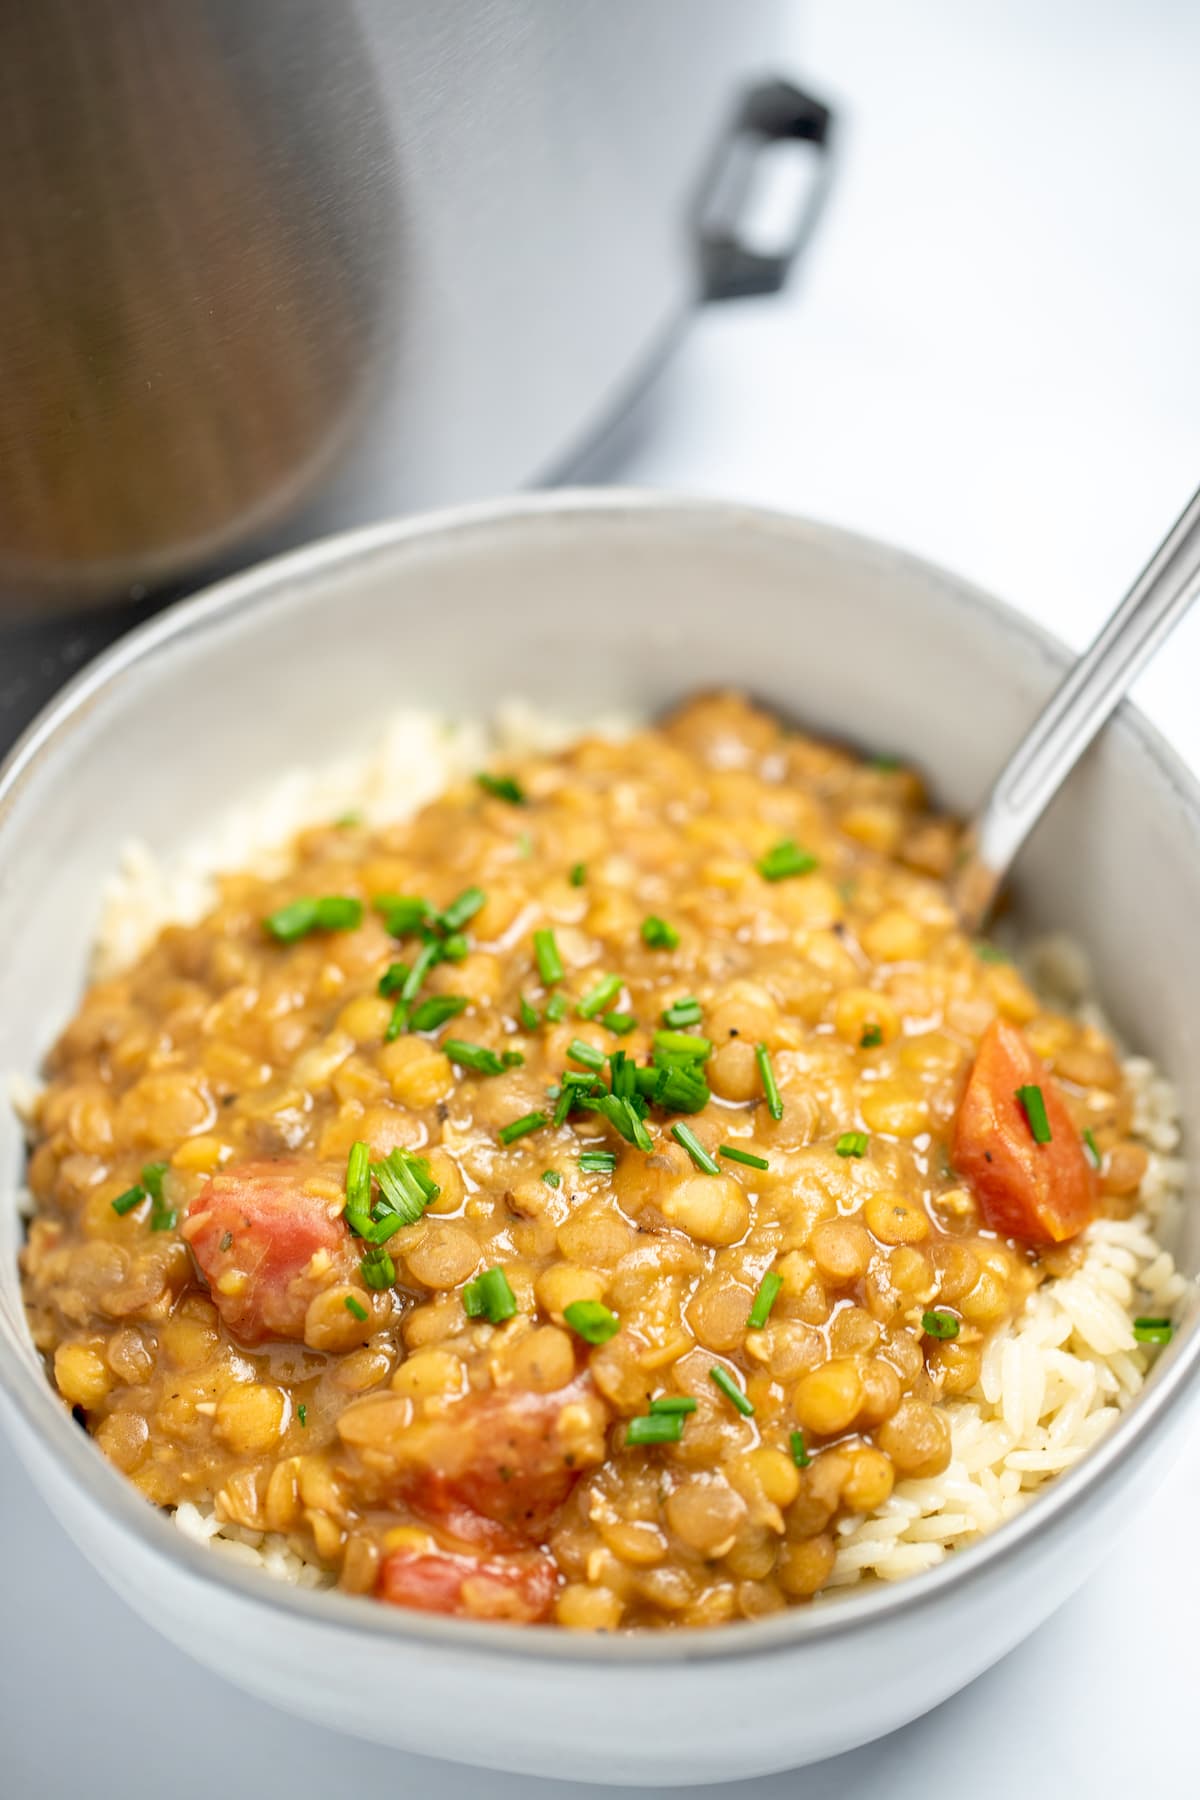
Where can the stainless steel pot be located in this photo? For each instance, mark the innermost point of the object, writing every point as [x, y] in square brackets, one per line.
[272, 268]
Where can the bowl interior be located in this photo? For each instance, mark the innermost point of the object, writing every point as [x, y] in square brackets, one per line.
[580, 604]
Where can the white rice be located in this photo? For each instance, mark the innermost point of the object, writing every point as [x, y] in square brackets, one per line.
[1051, 1383]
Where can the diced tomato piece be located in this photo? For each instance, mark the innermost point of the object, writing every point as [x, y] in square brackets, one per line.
[518, 1588]
[254, 1231]
[1040, 1193]
[495, 1468]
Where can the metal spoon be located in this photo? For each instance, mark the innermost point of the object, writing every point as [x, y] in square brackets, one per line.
[1048, 752]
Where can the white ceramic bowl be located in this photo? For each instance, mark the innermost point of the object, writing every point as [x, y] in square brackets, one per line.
[586, 602]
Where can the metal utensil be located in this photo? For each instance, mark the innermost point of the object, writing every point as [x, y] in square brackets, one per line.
[1033, 774]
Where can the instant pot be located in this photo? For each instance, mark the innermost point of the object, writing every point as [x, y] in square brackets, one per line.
[275, 268]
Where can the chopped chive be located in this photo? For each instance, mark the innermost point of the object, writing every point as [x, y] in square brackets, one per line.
[435, 1011]
[552, 1178]
[126, 1202]
[333, 912]
[695, 1149]
[655, 1428]
[556, 1009]
[528, 1015]
[549, 962]
[597, 1162]
[764, 1300]
[762, 1057]
[152, 1180]
[524, 844]
[676, 1087]
[938, 1323]
[666, 1404]
[473, 1056]
[1152, 1331]
[379, 1230]
[620, 1022]
[401, 913]
[989, 953]
[578, 874]
[454, 948]
[785, 858]
[397, 1023]
[620, 1112]
[1093, 1151]
[423, 961]
[406, 1186]
[687, 1011]
[462, 908]
[339, 912]
[799, 1450]
[490, 1297]
[591, 1321]
[658, 935]
[512, 1059]
[357, 1308]
[358, 1178]
[871, 1038]
[519, 1128]
[724, 1380]
[347, 820]
[682, 1043]
[164, 1220]
[1034, 1106]
[502, 787]
[600, 998]
[852, 1143]
[302, 1413]
[392, 979]
[743, 1156]
[585, 1053]
[377, 1268]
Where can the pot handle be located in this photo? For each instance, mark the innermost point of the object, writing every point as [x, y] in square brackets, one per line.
[732, 264]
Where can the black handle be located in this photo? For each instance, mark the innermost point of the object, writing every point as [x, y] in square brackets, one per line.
[770, 113]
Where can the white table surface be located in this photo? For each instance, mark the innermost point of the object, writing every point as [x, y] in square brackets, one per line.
[990, 358]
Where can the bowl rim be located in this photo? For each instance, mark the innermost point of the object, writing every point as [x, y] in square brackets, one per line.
[794, 1628]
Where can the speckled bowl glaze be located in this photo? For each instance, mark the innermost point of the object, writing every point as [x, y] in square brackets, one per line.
[589, 601]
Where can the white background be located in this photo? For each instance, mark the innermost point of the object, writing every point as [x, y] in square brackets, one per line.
[990, 357]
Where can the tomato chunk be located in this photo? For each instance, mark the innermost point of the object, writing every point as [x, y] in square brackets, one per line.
[518, 1588]
[254, 1231]
[1040, 1193]
[495, 1468]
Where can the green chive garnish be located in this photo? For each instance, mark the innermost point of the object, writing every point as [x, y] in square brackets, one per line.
[666, 1404]
[724, 1380]
[695, 1149]
[682, 1043]
[406, 1188]
[357, 1308]
[743, 1156]
[490, 1297]
[620, 1022]
[434, 1012]
[462, 908]
[333, 912]
[401, 913]
[655, 1428]
[126, 1202]
[347, 820]
[424, 960]
[1093, 1150]
[393, 978]
[1034, 1107]
[601, 997]
[454, 948]
[658, 935]
[502, 787]
[556, 1009]
[597, 1162]
[585, 1054]
[578, 874]
[938, 1323]
[528, 1015]
[687, 1011]
[397, 1023]
[764, 1300]
[799, 1450]
[377, 1268]
[302, 1413]
[552, 1178]
[473, 1056]
[989, 953]
[549, 962]
[766, 1074]
[162, 1217]
[871, 1038]
[785, 858]
[1152, 1331]
[591, 1321]
[519, 1128]
[852, 1143]
[358, 1180]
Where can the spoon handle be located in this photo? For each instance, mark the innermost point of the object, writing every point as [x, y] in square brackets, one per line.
[1096, 684]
